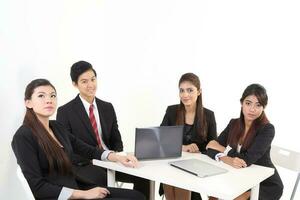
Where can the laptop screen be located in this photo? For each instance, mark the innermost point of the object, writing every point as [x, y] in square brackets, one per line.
[158, 142]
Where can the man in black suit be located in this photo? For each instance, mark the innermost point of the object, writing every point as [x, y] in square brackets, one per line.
[94, 121]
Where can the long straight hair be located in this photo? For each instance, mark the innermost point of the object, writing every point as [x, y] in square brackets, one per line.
[200, 119]
[238, 127]
[57, 158]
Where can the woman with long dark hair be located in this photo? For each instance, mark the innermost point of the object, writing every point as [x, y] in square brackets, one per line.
[247, 140]
[199, 126]
[44, 151]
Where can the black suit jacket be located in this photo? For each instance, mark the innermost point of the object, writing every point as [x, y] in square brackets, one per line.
[258, 153]
[34, 163]
[170, 120]
[74, 117]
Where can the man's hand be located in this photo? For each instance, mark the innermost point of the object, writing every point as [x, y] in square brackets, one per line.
[128, 160]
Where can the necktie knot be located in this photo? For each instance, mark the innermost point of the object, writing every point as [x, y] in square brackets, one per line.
[91, 108]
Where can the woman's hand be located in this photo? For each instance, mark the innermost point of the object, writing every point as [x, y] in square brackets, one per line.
[234, 162]
[192, 148]
[213, 144]
[94, 193]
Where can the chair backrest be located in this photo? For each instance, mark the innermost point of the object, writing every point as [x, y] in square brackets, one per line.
[25, 185]
[285, 158]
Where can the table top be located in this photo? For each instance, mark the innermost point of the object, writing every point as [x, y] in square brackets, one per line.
[226, 186]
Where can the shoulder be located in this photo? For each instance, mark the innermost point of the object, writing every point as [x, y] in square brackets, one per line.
[58, 126]
[172, 108]
[267, 129]
[104, 103]
[23, 130]
[208, 112]
[23, 135]
[232, 122]
[68, 105]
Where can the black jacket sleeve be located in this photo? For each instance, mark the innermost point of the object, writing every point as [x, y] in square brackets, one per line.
[83, 149]
[211, 130]
[117, 144]
[211, 127]
[63, 119]
[222, 140]
[26, 150]
[261, 143]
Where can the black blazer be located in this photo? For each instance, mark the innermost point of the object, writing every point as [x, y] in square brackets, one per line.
[34, 163]
[74, 117]
[170, 120]
[258, 153]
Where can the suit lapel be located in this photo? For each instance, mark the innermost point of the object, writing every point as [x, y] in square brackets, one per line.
[101, 111]
[83, 116]
[60, 137]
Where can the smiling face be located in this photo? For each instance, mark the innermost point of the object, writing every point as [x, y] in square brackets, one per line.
[43, 101]
[251, 108]
[87, 85]
[188, 93]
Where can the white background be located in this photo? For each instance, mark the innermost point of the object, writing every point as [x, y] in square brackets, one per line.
[140, 49]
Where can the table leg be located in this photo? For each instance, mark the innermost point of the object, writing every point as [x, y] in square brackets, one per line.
[152, 190]
[111, 178]
[254, 193]
[296, 185]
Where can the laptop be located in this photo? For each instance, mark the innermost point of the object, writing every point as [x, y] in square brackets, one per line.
[198, 167]
[158, 142]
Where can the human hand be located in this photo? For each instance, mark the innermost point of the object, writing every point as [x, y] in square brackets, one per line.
[192, 148]
[94, 193]
[234, 162]
[128, 160]
[97, 192]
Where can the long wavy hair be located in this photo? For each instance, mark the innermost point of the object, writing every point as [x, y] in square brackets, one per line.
[200, 119]
[57, 158]
[238, 128]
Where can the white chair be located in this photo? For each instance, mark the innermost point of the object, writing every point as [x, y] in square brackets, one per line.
[24, 183]
[287, 159]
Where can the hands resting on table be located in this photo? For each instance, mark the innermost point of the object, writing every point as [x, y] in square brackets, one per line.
[126, 159]
[232, 161]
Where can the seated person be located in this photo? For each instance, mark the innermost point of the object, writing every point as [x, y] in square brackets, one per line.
[94, 121]
[199, 126]
[247, 140]
[44, 150]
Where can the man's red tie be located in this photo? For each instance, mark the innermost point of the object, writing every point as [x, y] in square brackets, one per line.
[94, 125]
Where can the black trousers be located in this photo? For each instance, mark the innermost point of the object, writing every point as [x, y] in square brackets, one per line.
[139, 184]
[98, 176]
[125, 194]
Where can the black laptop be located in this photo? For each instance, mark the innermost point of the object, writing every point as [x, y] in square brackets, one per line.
[158, 142]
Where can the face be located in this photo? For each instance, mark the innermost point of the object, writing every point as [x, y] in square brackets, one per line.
[43, 101]
[87, 85]
[251, 108]
[188, 93]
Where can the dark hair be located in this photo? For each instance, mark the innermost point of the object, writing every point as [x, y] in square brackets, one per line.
[238, 127]
[54, 153]
[79, 68]
[200, 120]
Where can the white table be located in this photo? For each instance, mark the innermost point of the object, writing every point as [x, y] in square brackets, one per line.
[226, 186]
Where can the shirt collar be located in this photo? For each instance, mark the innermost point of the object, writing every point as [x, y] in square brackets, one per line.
[87, 104]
